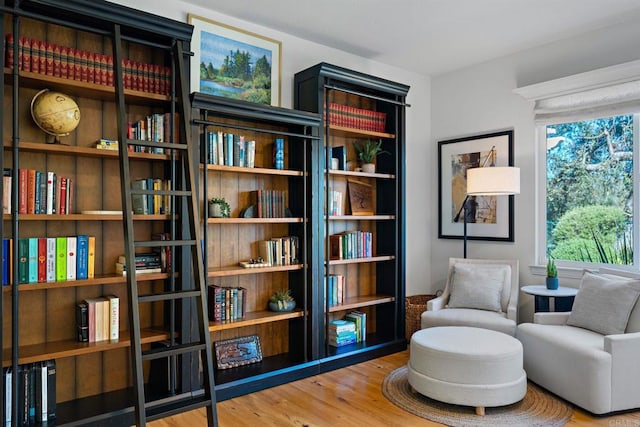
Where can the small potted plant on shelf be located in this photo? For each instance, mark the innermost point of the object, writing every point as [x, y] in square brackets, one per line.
[367, 152]
[219, 208]
[552, 275]
[282, 301]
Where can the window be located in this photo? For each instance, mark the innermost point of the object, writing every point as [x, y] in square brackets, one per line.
[587, 167]
[589, 190]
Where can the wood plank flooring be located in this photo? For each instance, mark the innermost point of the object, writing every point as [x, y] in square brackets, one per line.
[349, 396]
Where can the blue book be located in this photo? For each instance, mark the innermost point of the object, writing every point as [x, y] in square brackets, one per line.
[6, 260]
[228, 149]
[278, 154]
[82, 257]
[33, 260]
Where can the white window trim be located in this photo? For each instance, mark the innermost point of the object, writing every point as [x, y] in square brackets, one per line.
[606, 91]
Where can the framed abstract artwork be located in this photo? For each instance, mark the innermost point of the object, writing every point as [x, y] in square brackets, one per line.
[492, 216]
[234, 63]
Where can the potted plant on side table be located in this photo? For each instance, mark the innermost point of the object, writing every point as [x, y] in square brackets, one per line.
[552, 275]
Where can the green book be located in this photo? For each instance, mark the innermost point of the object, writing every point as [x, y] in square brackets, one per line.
[23, 260]
[61, 259]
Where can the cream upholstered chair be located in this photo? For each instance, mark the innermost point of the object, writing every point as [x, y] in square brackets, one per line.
[480, 293]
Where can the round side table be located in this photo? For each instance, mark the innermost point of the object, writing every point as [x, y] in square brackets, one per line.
[563, 297]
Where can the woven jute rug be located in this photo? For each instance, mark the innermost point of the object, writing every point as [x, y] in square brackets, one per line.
[538, 408]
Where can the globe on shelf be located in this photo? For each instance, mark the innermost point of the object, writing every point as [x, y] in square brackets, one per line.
[55, 113]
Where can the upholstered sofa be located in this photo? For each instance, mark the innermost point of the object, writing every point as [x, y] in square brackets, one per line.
[479, 293]
[590, 356]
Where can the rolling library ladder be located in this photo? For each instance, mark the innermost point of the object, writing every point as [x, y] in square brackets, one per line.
[184, 242]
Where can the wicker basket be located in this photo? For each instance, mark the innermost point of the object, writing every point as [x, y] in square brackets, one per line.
[415, 305]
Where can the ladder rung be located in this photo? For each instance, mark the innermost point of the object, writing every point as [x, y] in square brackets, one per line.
[169, 145]
[162, 352]
[160, 243]
[165, 296]
[163, 410]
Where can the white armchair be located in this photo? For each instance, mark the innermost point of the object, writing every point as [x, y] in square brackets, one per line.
[594, 369]
[480, 293]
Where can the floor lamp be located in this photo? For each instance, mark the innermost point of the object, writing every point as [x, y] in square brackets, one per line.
[489, 181]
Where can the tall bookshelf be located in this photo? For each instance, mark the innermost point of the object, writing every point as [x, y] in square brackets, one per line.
[284, 337]
[38, 319]
[358, 107]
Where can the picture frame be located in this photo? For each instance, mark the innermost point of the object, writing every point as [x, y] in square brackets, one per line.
[237, 351]
[493, 218]
[212, 43]
[360, 197]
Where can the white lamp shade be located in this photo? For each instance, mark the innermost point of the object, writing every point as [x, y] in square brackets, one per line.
[493, 181]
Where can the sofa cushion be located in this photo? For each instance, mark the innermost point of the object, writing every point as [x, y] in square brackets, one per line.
[469, 317]
[603, 304]
[633, 325]
[478, 286]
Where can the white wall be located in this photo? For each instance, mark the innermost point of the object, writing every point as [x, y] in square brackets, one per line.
[480, 99]
[298, 54]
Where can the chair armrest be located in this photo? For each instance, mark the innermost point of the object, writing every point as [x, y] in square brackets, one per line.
[625, 375]
[551, 318]
[437, 303]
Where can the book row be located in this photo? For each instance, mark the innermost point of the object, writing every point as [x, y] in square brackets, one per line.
[335, 289]
[151, 204]
[149, 262]
[36, 394]
[98, 319]
[49, 259]
[336, 203]
[352, 329]
[270, 203]
[41, 57]
[227, 149]
[42, 192]
[357, 118]
[351, 244]
[226, 303]
[279, 251]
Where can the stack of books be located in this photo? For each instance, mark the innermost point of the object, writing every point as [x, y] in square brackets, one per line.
[359, 318]
[148, 262]
[226, 303]
[98, 319]
[341, 332]
[36, 394]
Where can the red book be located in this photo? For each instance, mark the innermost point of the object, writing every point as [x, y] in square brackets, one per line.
[77, 73]
[136, 71]
[35, 56]
[84, 66]
[145, 77]
[48, 47]
[9, 55]
[31, 191]
[64, 62]
[42, 259]
[91, 67]
[62, 199]
[42, 57]
[57, 68]
[26, 54]
[22, 191]
[126, 71]
[71, 63]
[102, 70]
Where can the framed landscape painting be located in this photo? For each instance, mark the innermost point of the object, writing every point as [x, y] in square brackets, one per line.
[234, 63]
[492, 216]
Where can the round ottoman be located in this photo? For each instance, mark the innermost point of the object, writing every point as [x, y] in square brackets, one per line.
[467, 366]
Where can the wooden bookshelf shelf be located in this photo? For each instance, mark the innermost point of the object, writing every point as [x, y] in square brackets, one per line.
[73, 150]
[86, 217]
[109, 279]
[262, 171]
[84, 89]
[361, 260]
[237, 270]
[70, 348]
[361, 174]
[352, 132]
[361, 301]
[255, 318]
[361, 217]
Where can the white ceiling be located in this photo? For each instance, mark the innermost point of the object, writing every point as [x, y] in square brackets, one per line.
[431, 36]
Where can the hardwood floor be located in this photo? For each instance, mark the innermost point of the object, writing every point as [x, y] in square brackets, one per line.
[349, 396]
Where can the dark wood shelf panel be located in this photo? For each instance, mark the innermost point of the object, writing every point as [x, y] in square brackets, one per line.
[83, 89]
[362, 174]
[348, 132]
[69, 348]
[108, 279]
[254, 220]
[362, 260]
[255, 318]
[262, 171]
[361, 301]
[74, 150]
[238, 270]
[361, 217]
